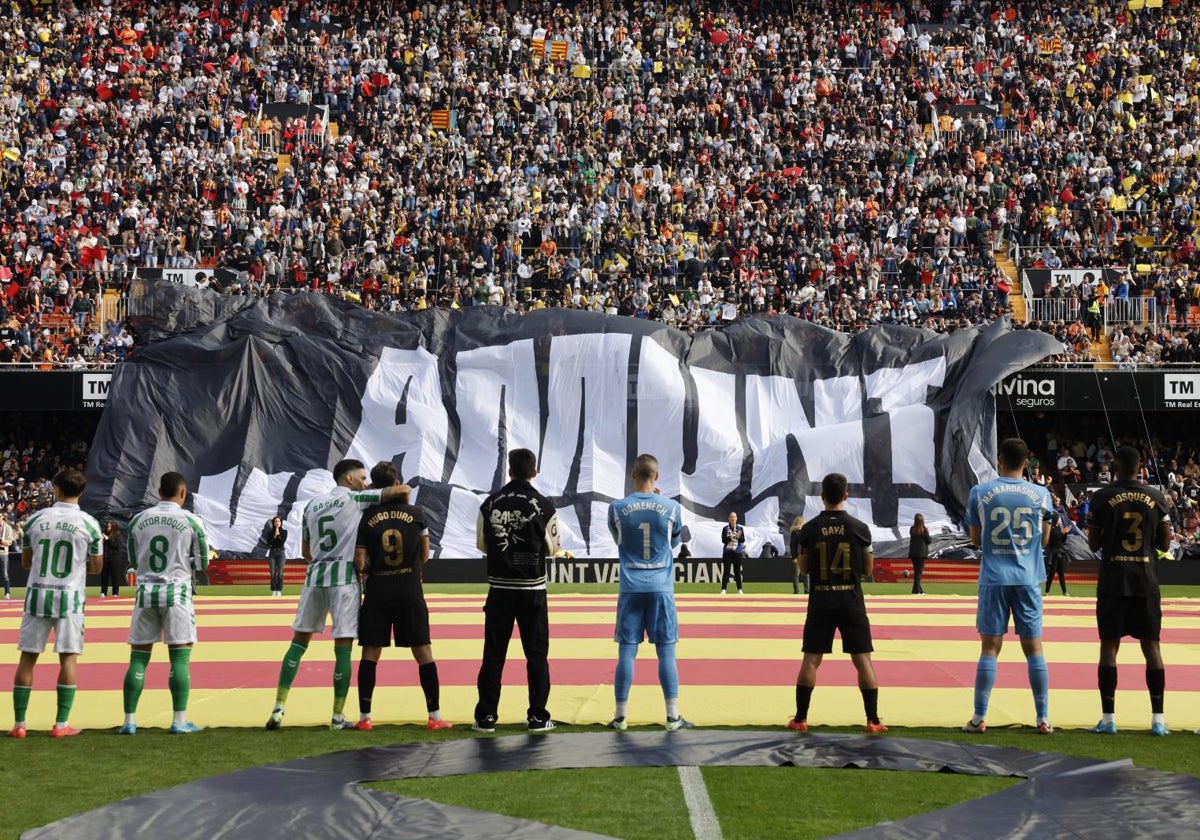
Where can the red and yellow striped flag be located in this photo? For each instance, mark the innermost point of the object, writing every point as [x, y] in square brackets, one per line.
[440, 120]
[558, 50]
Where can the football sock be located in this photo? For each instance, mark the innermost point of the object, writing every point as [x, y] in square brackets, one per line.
[135, 680]
[668, 670]
[985, 678]
[1156, 684]
[1106, 678]
[341, 677]
[803, 698]
[622, 708]
[288, 670]
[430, 685]
[180, 680]
[871, 703]
[672, 704]
[1039, 681]
[366, 685]
[66, 699]
[623, 678]
[21, 702]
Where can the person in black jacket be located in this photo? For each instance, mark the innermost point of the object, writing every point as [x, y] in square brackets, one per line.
[795, 549]
[113, 570]
[918, 551]
[1056, 549]
[275, 536]
[733, 538]
[517, 528]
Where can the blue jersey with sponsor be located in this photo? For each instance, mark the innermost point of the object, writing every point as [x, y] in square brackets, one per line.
[1009, 512]
[646, 527]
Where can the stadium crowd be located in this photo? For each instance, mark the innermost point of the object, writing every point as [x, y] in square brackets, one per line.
[849, 164]
[1077, 458]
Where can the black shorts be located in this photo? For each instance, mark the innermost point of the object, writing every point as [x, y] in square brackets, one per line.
[1139, 616]
[846, 616]
[403, 616]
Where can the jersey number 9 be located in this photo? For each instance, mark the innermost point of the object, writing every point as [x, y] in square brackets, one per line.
[392, 542]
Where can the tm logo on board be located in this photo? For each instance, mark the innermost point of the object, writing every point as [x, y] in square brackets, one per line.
[94, 389]
[1181, 390]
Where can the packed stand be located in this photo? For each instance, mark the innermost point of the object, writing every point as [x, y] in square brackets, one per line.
[1078, 457]
[34, 448]
[1147, 347]
[836, 162]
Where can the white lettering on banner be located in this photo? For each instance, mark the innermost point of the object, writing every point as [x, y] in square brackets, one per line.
[1181, 390]
[422, 437]
[914, 461]
[588, 392]
[587, 371]
[257, 503]
[900, 387]
[482, 374]
[773, 411]
[718, 445]
[660, 399]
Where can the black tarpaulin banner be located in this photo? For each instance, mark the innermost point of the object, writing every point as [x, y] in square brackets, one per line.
[319, 798]
[255, 401]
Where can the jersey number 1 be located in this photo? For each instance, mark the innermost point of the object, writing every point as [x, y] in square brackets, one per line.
[646, 547]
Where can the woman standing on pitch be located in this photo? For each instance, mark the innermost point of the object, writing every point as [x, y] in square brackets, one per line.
[795, 549]
[276, 554]
[918, 551]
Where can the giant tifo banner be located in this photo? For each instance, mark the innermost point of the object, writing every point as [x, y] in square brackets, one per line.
[255, 401]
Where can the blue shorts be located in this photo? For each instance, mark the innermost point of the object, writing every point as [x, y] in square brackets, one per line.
[646, 614]
[1024, 603]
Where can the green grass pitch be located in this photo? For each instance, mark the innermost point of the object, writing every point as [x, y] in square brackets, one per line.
[43, 779]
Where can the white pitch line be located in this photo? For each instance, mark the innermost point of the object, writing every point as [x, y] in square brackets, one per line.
[700, 810]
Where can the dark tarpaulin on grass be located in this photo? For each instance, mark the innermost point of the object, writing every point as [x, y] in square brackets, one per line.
[321, 797]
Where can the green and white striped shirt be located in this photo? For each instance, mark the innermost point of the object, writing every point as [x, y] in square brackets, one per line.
[165, 544]
[60, 538]
[330, 527]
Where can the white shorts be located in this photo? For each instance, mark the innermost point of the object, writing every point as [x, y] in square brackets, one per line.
[173, 625]
[342, 602]
[35, 630]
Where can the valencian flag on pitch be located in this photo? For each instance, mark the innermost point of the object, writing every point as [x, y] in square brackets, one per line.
[256, 400]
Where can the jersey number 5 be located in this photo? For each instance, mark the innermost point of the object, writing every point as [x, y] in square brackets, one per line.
[327, 536]
[1019, 523]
